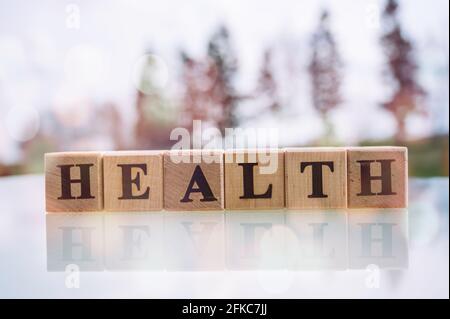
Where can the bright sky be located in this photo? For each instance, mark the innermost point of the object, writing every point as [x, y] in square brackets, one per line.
[43, 60]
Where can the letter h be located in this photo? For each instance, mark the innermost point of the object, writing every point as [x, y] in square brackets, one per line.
[67, 181]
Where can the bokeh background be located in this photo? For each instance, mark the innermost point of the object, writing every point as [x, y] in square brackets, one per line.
[116, 75]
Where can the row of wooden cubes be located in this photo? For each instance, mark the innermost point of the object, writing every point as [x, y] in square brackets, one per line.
[294, 178]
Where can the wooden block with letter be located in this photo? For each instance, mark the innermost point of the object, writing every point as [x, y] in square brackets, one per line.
[254, 179]
[315, 178]
[133, 181]
[377, 177]
[73, 182]
[193, 180]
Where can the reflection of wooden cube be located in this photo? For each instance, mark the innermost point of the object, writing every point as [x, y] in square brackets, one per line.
[194, 241]
[318, 239]
[193, 180]
[254, 179]
[133, 181]
[134, 241]
[73, 182]
[315, 178]
[378, 237]
[74, 242]
[377, 177]
[255, 240]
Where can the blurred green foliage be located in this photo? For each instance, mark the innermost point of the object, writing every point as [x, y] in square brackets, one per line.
[427, 157]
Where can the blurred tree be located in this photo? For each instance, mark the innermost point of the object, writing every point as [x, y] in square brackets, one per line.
[222, 74]
[196, 86]
[209, 93]
[155, 111]
[6, 170]
[401, 66]
[267, 85]
[325, 72]
[151, 131]
[112, 124]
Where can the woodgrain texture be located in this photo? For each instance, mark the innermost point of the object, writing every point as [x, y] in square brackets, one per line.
[133, 181]
[254, 179]
[193, 180]
[73, 182]
[377, 177]
[315, 178]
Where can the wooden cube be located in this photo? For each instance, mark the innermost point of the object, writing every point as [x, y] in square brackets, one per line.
[377, 177]
[193, 180]
[254, 179]
[315, 178]
[133, 181]
[73, 182]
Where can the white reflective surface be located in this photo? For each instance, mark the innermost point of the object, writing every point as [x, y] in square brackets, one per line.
[270, 254]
